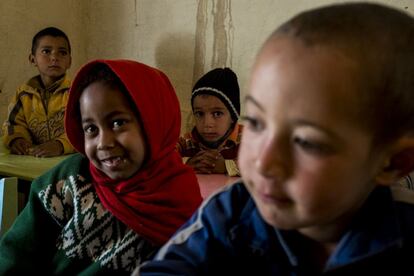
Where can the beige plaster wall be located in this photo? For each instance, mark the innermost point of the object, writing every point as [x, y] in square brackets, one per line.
[183, 38]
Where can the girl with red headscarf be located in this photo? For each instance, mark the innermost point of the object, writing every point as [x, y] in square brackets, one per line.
[112, 206]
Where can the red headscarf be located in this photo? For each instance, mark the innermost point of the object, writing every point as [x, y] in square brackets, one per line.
[164, 193]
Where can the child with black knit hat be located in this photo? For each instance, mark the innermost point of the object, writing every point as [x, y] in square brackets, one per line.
[212, 145]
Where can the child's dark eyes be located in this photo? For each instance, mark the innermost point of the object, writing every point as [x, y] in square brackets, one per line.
[49, 51]
[252, 124]
[217, 114]
[89, 129]
[198, 114]
[312, 147]
[118, 123]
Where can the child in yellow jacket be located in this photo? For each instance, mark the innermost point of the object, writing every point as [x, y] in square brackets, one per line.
[34, 125]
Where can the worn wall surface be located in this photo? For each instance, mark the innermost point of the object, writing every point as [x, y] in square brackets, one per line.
[183, 38]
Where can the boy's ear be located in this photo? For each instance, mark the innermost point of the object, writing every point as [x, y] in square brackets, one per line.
[31, 59]
[398, 163]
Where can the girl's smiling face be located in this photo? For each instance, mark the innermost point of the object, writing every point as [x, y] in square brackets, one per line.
[305, 159]
[114, 141]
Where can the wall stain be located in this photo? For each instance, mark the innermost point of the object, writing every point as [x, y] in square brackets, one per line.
[136, 12]
[223, 34]
[223, 31]
[200, 40]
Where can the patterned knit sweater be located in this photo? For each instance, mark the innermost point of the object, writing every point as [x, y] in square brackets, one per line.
[64, 229]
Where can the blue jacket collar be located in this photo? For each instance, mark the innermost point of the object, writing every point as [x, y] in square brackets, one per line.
[374, 230]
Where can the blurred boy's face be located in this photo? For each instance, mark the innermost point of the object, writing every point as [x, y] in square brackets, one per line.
[114, 142]
[52, 58]
[304, 158]
[212, 117]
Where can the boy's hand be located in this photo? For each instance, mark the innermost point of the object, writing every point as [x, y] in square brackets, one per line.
[48, 149]
[20, 146]
[207, 162]
[220, 165]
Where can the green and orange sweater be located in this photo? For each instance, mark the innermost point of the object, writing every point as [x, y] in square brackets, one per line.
[64, 229]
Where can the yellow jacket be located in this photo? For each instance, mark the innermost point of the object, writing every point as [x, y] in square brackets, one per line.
[37, 114]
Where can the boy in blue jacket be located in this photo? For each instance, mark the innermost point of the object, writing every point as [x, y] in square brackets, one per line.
[329, 128]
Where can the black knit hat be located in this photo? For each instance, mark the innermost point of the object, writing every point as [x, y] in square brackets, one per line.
[222, 83]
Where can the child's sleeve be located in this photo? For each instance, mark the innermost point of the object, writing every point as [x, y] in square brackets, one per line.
[232, 168]
[198, 248]
[407, 181]
[231, 164]
[67, 146]
[15, 125]
[30, 244]
[179, 147]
